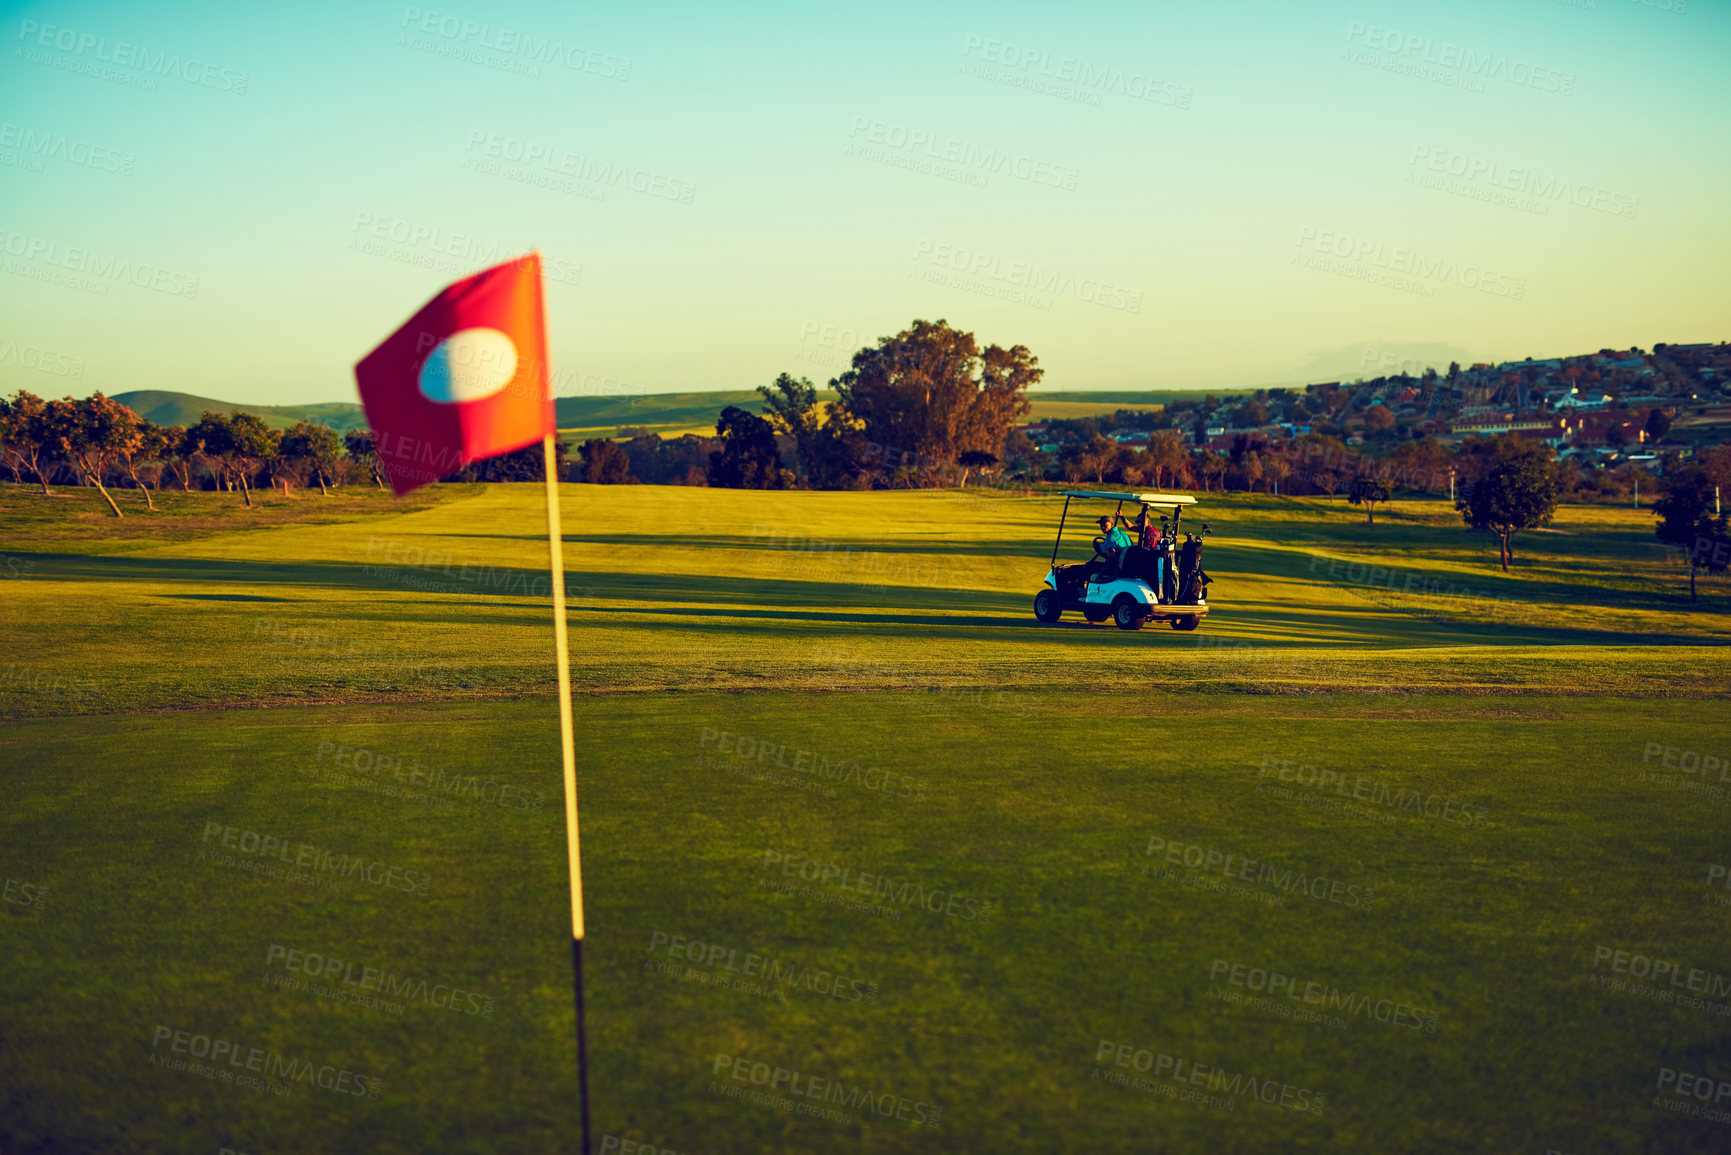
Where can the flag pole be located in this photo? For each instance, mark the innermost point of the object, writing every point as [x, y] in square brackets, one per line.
[567, 750]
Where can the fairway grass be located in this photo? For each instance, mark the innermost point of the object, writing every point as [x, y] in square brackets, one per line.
[1448, 808]
[682, 589]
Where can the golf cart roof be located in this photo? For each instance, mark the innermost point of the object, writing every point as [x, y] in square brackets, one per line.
[1144, 498]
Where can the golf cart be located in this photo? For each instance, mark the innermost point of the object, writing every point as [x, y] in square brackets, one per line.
[1130, 586]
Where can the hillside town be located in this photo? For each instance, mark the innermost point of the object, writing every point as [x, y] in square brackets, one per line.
[1602, 414]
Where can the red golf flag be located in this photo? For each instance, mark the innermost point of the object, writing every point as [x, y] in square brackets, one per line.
[464, 379]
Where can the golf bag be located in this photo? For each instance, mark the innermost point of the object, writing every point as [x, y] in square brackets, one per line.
[1193, 580]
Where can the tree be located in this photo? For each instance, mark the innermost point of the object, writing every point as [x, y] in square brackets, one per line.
[1378, 419]
[210, 442]
[1019, 453]
[1512, 486]
[1211, 466]
[1165, 455]
[313, 446]
[1687, 521]
[748, 457]
[251, 443]
[1073, 461]
[930, 394]
[1251, 413]
[1276, 468]
[790, 406]
[361, 450]
[92, 435]
[519, 465]
[678, 461]
[28, 439]
[152, 444]
[1717, 462]
[604, 463]
[1657, 425]
[975, 459]
[1099, 455]
[1367, 491]
[176, 455]
[1254, 468]
[1421, 465]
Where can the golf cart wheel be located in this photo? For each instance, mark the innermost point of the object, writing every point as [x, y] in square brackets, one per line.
[1096, 614]
[1046, 606]
[1187, 623]
[1127, 613]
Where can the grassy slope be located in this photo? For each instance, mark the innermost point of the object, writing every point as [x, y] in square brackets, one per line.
[1048, 757]
[691, 588]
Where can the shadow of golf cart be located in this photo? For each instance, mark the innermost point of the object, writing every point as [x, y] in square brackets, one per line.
[1132, 584]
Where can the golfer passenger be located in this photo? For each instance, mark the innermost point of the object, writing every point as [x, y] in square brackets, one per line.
[1117, 541]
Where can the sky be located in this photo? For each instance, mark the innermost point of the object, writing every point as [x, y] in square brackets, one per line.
[240, 201]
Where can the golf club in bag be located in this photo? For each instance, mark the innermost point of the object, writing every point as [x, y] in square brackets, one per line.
[1193, 580]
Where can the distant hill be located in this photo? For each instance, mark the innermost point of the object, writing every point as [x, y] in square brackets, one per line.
[659, 412]
[168, 408]
[665, 413]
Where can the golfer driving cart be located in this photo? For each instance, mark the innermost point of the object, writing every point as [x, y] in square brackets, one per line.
[1138, 572]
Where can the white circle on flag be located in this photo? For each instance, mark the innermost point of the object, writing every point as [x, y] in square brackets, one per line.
[468, 365]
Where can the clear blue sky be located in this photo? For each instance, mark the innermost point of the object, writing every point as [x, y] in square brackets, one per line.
[1147, 195]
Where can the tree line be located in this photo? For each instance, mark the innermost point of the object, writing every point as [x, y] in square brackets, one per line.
[99, 442]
